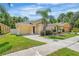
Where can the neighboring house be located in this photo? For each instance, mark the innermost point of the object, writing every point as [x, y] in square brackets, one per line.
[4, 28]
[36, 27]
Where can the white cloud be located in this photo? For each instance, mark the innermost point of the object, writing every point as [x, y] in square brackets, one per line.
[73, 10]
[27, 10]
[30, 11]
[31, 7]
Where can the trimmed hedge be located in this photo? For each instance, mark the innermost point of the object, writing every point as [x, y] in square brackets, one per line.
[75, 30]
[5, 47]
[3, 44]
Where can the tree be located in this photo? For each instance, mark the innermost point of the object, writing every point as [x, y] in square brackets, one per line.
[13, 21]
[61, 17]
[70, 16]
[52, 19]
[44, 20]
[4, 16]
[77, 23]
[19, 19]
[2, 10]
[75, 18]
[25, 19]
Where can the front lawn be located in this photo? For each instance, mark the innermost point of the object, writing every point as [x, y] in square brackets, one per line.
[64, 52]
[11, 43]
[67, 35]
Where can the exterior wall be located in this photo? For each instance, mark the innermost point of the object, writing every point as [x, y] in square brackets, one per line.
[39, 28]
[66, 27]
[13, 31]
[4, 28]
[50, 27]
[24, 28]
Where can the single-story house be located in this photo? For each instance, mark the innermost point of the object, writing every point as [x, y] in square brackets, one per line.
[36, 27]
[4, 28]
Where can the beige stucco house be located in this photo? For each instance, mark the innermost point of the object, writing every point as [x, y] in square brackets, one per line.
[28, 28]
[36, 27]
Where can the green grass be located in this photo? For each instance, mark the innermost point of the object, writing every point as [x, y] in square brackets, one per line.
[65, 36]
[64, 52]
[18, 43]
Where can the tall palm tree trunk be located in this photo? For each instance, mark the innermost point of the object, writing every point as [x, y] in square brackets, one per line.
[44, 29]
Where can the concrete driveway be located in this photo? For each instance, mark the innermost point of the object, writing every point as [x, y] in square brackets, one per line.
[39, 38]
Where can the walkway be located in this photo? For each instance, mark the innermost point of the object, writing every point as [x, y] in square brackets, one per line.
[47, 48]
[38, 38]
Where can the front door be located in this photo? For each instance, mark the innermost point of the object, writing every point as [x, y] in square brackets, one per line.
[33, 29]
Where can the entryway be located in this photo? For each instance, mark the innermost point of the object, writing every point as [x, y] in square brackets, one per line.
[33, 29]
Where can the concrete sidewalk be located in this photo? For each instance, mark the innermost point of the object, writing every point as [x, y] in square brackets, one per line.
[74, 47]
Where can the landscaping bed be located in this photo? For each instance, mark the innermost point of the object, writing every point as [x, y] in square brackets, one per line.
[11, 43]
[64, 52]
[64, 36]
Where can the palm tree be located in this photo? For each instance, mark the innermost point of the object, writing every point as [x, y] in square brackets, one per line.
[44, 20]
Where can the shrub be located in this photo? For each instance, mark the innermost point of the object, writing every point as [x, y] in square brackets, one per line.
[3, 44]
[47, 32]
[5, 47]
[75, 30]
[42, 33]
[1, 32]
[54, 30]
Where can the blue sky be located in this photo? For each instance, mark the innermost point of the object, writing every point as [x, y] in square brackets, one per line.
[29, 9]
